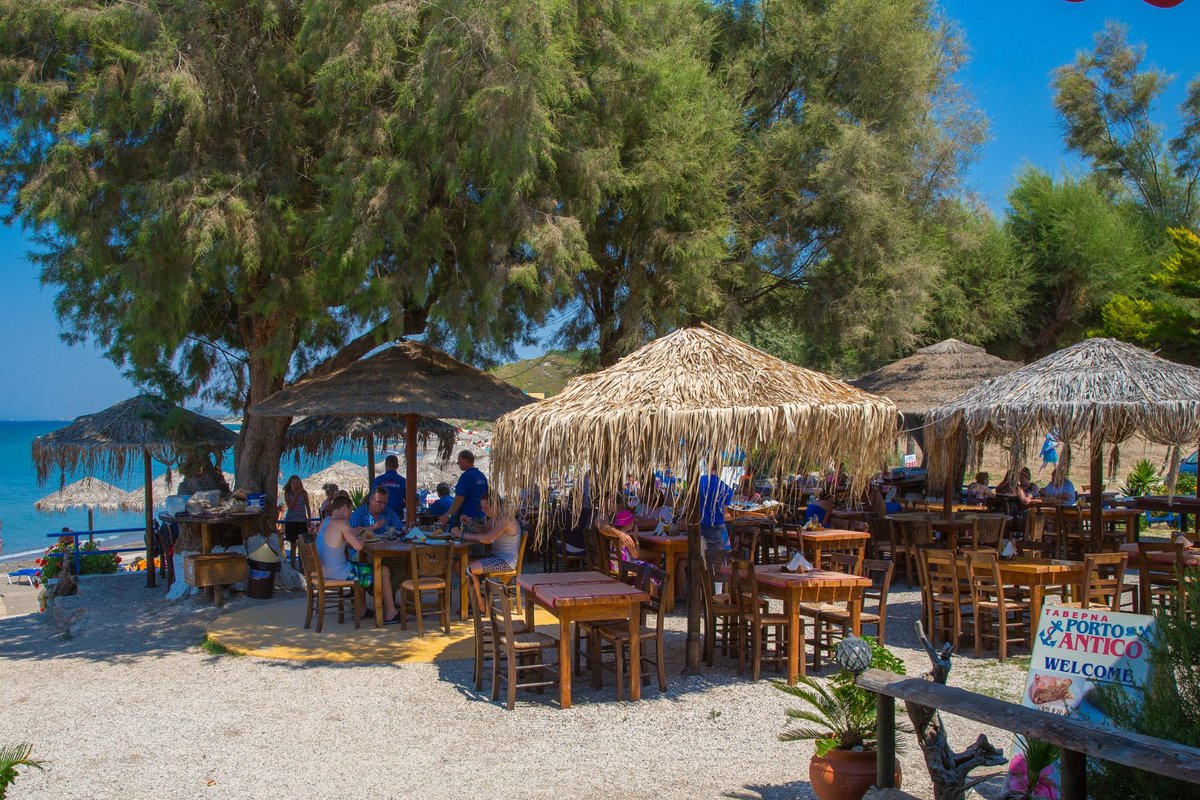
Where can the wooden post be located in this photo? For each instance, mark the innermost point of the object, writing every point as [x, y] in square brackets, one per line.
[150, 571]
[410, 477]
[885, 741]
[693, 653]
[1073, 767]
[370, 461]
[1097, 493]
[91, 526]
[947, 503]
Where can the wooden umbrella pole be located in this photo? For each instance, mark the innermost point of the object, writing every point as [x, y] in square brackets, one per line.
[370, 460]
[1097, 479]
[150, 571]
[695, 602]
[410, 469]
[91, 525]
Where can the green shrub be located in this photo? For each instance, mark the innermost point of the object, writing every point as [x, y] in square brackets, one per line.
[1141, 479]
[1167, 707]
[93, 564]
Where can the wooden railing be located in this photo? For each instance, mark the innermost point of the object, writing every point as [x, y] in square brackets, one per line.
[1076, 738]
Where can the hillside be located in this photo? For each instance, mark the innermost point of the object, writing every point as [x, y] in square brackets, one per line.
[546, 373]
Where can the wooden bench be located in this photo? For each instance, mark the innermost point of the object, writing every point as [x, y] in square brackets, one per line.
[1075, 738]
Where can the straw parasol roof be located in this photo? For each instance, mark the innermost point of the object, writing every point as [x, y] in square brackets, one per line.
[117, 437]
[682, 400]
[406, 378]
[933, 375]
[89, 493]
[346, 474]
[317, 437]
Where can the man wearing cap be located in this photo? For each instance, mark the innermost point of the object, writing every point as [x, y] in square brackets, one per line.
[472, 486]
[715, 496]
[395, 484]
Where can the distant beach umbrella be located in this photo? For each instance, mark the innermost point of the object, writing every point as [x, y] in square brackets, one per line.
[110, 441]
[90, 493]
[409, 380]
[319, 436]
[346, 474]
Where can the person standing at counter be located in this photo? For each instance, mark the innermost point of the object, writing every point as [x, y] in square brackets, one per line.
[395, 484]
[296, 513]
[471, 488]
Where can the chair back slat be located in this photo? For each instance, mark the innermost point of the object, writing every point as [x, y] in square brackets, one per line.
[1105, 576]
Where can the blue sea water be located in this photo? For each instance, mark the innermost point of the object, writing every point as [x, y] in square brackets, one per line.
[26, 529]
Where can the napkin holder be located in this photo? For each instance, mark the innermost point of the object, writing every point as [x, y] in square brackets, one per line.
[798, 563]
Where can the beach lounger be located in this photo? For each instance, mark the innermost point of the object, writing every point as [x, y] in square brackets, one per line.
[29, 573]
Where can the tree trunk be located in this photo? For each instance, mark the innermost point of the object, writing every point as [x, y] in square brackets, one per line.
[260, 442]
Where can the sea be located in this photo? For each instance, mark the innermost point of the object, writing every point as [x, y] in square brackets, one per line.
[25, 531]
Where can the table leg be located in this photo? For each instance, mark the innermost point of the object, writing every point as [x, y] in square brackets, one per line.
[817, 555]
[564, 659]
[205, 539]
[528, 612]
[856, 611]
[1036, 594]
[795, 653]
[668, 595]
[377, 584]
[635, 650]
[462, 586]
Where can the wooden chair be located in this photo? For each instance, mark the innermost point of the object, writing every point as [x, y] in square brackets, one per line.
[1105, 582]
[566, 559]
[485, 645]
[836, 622]
[772, 545]
[989, 601]
[990, 530]
[320, 590]
[944, 595]
[761, 634]
[1035, 543]
[909, 536]
[652, 581]
[511, 576]
[1074, 532]
[720, 618]
[1159, 581]
[847, 564]
[516, 653]
[743, 541]
[430, 569]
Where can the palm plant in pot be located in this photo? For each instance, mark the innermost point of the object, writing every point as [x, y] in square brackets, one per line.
[840, 718]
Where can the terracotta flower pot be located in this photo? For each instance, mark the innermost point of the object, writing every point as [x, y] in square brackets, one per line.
[844, 774]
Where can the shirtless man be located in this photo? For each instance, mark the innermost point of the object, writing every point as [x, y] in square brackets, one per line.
[332, 539]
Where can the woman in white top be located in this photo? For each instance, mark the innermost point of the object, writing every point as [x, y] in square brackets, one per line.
[502, 532]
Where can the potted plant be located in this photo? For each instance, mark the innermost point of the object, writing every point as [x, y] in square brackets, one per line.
[1033, 773]
[12, 757]
[840, 718]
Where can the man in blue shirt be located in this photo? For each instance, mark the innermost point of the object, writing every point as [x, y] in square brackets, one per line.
[472, 485]
[444, 500]
[394, 482]
[714, 496]
[375, 513]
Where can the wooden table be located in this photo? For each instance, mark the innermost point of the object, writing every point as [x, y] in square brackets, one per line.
[1181, 505]
[673, 548]
[1191, 556]
[380, 549]
[814, 586]
[576, 597]
[938, 524]
[1036, 574]
[832, 539]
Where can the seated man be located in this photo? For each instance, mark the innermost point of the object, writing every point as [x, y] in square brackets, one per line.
[375, 514]
[443, 502]
[1059, 491]
[336, 532]
[979, 490]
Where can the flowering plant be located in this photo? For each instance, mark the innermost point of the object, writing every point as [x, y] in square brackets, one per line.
[90, 562]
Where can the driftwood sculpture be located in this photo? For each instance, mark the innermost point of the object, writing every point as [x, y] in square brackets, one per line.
[949, 771]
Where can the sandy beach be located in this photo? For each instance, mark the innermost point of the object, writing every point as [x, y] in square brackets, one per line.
[133, 706]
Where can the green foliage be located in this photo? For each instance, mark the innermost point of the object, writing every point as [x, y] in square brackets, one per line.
[358, 496]
[1106, 100]
[1039, 755]
[93, 564]
[1185, 483]
[843, 716]
[215, 648]
[1081, 249]
[1141, 479]
[547, 373]
[1166, 707]
[13, 757]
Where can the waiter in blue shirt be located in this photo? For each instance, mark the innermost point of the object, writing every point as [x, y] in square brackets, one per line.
[395, 484]
[715, 496]
[471, 487]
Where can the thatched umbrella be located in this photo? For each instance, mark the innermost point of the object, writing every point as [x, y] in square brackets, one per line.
[930, 377]
[90, 493]
[346, 474]
[1099, 391]
[316, 437]
[683, 400]
[410, 380]
[146, 426]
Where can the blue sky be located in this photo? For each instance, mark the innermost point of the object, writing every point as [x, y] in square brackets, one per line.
[1014, 45]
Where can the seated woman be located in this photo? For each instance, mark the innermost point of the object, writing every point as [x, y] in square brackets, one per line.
[654, 509]
[979, 490]
[622, 528]
[502, 531]
[820, 508]
[331, 491]
[1059, 491]
[332, 538]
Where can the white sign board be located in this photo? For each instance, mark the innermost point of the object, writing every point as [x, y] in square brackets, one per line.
[1074, 652]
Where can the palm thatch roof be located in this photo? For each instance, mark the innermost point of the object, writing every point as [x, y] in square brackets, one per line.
[933, 375]
[1096, 392]
[408, 378]
[110, 440]
[163, 487]
[318, 437]
[346, 474]
[680, 402]
[86, 493]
